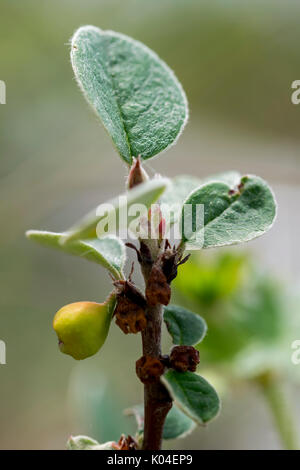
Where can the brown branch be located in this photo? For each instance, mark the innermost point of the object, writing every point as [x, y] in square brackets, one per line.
[157, 401]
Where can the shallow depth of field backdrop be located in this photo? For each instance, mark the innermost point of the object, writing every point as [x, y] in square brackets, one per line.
[236, 61]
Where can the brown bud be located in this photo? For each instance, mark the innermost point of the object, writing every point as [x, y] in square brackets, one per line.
[158, 290]
[149, 369]
[125, 443]
[137, 174]
[183, 358]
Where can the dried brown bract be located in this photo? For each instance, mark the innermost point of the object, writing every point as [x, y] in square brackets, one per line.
[149, 369]
[169, 260]
[130, 317]
[143, 254]
[125, 443]
[162, 274]
[130, 309]
[184, 358]
[158, 290]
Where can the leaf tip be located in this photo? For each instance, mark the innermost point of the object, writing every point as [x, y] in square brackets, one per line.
[30, 234]
[81, 30]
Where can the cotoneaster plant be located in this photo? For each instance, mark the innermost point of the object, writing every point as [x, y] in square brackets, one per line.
[144, 109]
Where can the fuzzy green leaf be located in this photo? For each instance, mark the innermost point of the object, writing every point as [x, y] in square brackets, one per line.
[193, 394]
[232, 178]
[109, 251]
[177, 424]
[231, 217]
[146, 194]
[87, 443]
[182, 186]
[185, 327]
[137, 97]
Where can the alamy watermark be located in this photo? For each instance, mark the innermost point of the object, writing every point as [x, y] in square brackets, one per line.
[2, 92]
[2, 353]
[136, 221]
[295, 98]
[295, 357]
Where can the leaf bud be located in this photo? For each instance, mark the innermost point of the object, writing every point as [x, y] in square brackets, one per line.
[137, 174]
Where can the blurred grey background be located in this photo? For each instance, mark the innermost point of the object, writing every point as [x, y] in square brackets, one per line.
[236, 61]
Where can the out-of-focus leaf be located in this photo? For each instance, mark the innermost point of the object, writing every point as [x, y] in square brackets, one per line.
[225, 340]
[138, 412]
[146, 194]
[96, 403]
[87, 443]
[185, 327]
[256, 316]
[207, 280]
[109, 251]
[193, 394]
[259, 309]
[177, 423]
[257, 359]
[138, 98]
[241, 305]
[229, 217]
[211, 286]
[175, 195]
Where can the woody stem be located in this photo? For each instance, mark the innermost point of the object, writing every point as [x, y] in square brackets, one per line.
[157, 401]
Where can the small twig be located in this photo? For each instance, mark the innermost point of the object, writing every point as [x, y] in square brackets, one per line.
[157, 401]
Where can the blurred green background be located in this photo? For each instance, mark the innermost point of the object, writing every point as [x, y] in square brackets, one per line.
[236, 61]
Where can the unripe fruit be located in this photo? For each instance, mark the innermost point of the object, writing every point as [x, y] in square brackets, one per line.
[82, 327]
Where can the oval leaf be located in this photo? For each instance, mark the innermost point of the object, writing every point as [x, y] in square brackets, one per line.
[146, 194]
[109, 251]
[193, 394]
[230, 216]
[177, 423]
[185, 327]
[182, 186]
[137, 97]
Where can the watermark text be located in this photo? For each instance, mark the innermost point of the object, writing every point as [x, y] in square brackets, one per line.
[2, 353]
[295, 357]
[295, 98]
[136, 221]
[2, 92]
